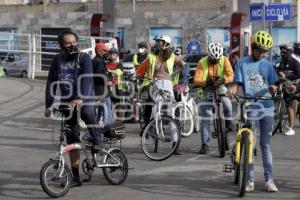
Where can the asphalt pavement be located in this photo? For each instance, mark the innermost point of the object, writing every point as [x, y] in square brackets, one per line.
[25, 145]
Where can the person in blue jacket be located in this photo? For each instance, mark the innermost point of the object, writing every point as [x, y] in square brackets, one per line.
[73, 70]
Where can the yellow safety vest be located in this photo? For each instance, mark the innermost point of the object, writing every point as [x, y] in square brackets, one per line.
[204, 63]
[2, 73]
[135, 59]
[150, 73]
[119, 74]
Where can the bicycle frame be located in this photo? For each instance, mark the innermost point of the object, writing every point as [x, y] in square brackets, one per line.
[238, 140]
[80, 146]
[245, 128]
[161, 97]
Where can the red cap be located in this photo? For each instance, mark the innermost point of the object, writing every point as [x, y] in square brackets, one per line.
[101, 46]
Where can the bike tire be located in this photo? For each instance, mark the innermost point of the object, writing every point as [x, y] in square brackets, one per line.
[123, 168]
[161, 150]
[45, 182]
[279, 113]
[243, 165]
[221, 136]
[186, 123]
[235, 168]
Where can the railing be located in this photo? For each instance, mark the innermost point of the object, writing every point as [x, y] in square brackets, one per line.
[38, 50]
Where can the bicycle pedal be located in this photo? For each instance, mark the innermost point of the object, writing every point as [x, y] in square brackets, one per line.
[227, 168]
[214, 135]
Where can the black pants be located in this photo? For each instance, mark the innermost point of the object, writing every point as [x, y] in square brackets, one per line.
[88, 115]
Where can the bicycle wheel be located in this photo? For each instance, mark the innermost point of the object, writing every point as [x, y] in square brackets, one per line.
[221, 136]
[116, 175]
[278, 116]
[284, 125]
[184, 116]
[155, 146]
[243, 165]
[235, 167]
[54, 180]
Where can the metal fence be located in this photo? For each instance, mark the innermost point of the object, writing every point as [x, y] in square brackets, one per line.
[34, 52]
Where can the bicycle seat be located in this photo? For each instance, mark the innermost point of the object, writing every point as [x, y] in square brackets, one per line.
[62, 109]
[181, 88]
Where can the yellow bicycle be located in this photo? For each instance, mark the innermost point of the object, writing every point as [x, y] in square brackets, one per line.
[242, 152]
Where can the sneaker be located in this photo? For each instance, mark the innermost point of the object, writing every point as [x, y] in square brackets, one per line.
[289, 132]
[204, 149]
[270, 186]
[249, 186]
[76, 181]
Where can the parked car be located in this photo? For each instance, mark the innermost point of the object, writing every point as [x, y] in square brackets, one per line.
[14, 63]
[128, 66]
[191, 61]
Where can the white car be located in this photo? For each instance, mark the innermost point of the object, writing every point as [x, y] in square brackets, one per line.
[128, 66]
[14, 64]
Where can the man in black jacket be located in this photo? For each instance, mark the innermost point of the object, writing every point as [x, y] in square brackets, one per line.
[72, 70]
[101, 82]
[290, 68]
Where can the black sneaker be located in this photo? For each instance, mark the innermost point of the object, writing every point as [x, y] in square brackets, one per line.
[76, 182]
[204, 149]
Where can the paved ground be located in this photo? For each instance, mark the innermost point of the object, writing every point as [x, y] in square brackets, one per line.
[25, 144]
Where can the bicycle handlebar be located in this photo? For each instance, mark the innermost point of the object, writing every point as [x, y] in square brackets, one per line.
[254, 98]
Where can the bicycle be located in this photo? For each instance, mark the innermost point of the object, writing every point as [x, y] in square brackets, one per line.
[157, 133]
[141, 99]
[280, 116]
[185, 110]
[241, 156]
[219, 124]
[55, 174]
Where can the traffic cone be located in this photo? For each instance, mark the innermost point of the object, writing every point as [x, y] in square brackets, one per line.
[2, 73]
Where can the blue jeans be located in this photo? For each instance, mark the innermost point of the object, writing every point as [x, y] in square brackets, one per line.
[105, 111]
[108, 115]
[206, 114]
[184, 75]
[263, 125]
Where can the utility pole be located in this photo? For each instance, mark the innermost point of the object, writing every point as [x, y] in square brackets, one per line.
[298, 21]
[45, 4]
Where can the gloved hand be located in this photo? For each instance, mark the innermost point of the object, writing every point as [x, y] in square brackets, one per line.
[218, 82]
[215, 82]
[210, 82]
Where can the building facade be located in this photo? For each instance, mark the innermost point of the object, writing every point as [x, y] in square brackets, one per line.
[184, 20]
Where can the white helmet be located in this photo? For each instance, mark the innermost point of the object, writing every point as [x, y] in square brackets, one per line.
[164, 38]
[215, 50]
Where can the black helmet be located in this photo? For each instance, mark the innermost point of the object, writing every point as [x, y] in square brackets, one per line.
[142, 45]
[296, 45]
[286, 46]
[114, 50]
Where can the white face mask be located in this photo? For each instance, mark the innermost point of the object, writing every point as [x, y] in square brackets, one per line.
[141, 50]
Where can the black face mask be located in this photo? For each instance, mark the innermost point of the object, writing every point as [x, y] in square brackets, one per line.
[71, 51]
[214, 61]
[105, 56]
[155, 49]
